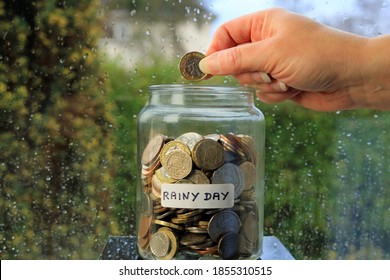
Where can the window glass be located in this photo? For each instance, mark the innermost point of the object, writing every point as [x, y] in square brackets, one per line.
[74, 75]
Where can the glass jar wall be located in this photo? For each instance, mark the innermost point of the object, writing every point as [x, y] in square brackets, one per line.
[201, 174]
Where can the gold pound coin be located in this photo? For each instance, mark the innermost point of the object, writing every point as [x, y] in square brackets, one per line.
[189, 66]
[198, 177]
[163, 176]
[173, 243]
[178, 164]
[208, 154]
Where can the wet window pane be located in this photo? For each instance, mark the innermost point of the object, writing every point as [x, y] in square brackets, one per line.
[73, 77]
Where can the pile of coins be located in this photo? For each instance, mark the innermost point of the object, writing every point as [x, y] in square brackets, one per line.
[191, 158]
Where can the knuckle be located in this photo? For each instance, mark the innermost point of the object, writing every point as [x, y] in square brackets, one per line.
[233, 59]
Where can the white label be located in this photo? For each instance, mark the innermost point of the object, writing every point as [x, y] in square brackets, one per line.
[197, 196]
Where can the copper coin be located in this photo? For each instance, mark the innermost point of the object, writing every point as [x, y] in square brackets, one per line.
[189, 66]
[144, 225]
[152, 149]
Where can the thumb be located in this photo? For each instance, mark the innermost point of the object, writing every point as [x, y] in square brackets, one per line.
[232, 61]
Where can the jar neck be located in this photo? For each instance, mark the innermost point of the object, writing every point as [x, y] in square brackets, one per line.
[200, 95]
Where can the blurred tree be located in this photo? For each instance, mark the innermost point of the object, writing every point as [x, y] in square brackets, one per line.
[56, 158]
[166, 14]
[169, 11]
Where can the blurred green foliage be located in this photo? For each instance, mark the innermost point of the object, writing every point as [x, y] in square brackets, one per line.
[56, 152]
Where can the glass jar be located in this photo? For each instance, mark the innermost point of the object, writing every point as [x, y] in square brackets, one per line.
[201, 174]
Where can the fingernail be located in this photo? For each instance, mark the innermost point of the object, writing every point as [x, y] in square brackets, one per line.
[265, 77]
[283, 86]
[203, 66]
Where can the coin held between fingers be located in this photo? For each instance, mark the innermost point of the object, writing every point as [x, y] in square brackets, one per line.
[189, 66]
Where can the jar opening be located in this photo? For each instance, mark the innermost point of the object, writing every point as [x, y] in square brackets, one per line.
[200, 88]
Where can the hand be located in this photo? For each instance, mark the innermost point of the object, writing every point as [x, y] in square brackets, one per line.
[288, 56]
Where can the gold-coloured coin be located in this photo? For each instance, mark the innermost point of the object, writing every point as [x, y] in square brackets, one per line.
[173, 243]
[249, 170]
[183, 181]
[163, 176]
[178, 164]
[174, 146]
[248, 146]
[203, 224]
[176, 159]
[208, 154]
[189, 66]
[190, 214]
[186, 220]
[167, 224]
[198, 177]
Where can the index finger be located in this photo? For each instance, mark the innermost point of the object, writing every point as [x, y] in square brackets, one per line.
[245, 29]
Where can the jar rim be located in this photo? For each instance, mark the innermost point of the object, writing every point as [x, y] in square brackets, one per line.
[202, 88]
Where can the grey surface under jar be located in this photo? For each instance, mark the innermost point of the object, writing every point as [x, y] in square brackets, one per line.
[200, 191]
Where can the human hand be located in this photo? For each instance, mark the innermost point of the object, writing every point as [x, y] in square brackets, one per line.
[288, 56]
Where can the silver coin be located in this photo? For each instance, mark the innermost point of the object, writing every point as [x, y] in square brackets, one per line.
[159, 244]
[190, 139]
[193, 239]
[230, 173]
[229, 246]
[222, 223]
[251, 228]
[146, 204]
